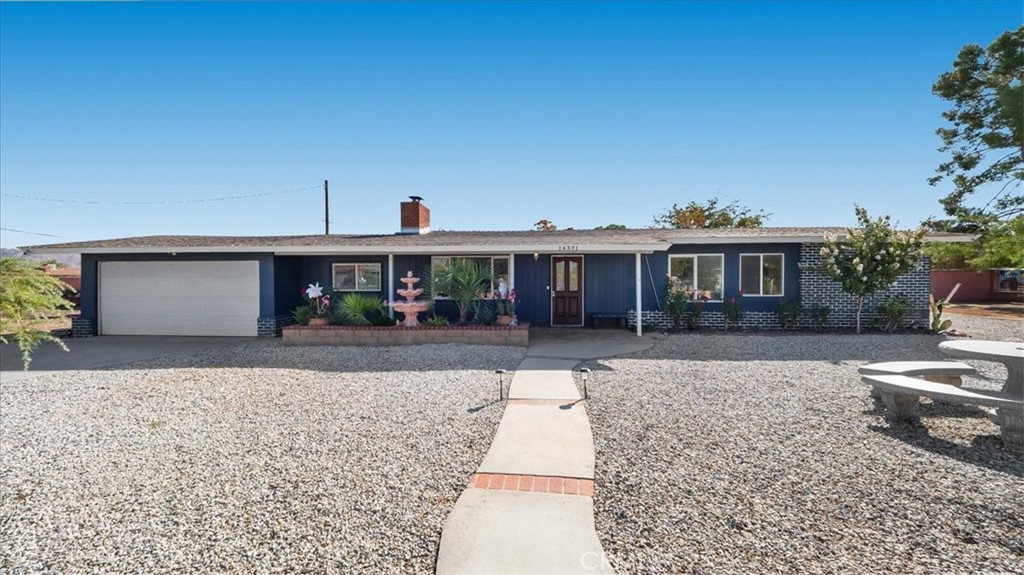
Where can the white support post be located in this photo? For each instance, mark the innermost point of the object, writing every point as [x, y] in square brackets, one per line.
[639, 298]
[391, 285]
[511, 271]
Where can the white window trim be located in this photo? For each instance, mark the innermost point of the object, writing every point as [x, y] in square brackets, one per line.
[357, 265]
[721, 258]
[477, 257]
[760, 278]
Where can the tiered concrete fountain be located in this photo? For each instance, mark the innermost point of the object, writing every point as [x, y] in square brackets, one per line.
[410, 307]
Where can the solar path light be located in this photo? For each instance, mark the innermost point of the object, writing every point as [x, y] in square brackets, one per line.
[501, 382]
[585, 372]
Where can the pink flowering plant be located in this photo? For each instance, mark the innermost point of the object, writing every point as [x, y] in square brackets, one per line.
[732, 310]
[319, 302]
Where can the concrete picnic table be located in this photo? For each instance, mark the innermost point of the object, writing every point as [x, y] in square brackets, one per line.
[1008, 353]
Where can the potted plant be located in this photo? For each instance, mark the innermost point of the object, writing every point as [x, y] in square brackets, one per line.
[506, 303]
[319, 304]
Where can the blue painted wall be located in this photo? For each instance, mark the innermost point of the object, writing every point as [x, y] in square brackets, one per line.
[658, 263]
[90, 275]
[609, 280]
[287, 284]
[532, 282]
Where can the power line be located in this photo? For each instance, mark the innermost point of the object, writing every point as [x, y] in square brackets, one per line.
[31, 233]
[160, 202]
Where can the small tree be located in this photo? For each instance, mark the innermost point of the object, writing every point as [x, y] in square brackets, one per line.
[545, 225]
[28, 297]
[871, 258]
[463, 280]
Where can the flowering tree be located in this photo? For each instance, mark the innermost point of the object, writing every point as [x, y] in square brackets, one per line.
[872, 257]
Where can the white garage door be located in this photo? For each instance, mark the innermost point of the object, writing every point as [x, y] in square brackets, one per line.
[179, 298]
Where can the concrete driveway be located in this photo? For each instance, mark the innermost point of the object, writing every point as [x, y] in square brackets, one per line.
[101, 351]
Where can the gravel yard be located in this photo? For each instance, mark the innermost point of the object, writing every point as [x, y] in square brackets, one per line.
[763, 453]
[255, 458]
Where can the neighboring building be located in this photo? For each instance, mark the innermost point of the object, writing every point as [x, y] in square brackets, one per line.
[982, 286]
[216, 285]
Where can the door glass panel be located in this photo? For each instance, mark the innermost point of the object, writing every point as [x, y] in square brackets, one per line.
[574, 275]
[560, 276]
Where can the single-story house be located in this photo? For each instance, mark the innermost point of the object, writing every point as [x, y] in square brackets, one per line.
[222, 285]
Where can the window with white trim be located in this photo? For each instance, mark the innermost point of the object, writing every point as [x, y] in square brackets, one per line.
[355, 277]
[700, 275]
[761, 274]
[497, 264]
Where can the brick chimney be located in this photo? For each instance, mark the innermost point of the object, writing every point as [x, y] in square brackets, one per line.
[415, 216]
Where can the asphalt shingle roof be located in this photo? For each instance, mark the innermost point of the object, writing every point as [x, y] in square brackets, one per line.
[449, 239]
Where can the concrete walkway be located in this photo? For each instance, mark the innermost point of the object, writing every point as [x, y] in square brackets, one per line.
[529, 507]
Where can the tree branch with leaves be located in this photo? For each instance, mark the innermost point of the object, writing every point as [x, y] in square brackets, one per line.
[985, 138]
[710, 215]
[28, 297]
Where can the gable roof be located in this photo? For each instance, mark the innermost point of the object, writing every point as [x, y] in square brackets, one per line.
[586, 241]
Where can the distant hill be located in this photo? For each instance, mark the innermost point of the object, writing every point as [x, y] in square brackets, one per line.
[63, 260]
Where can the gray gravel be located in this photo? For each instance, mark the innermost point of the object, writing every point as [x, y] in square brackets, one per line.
[764, 454]
[252, 459]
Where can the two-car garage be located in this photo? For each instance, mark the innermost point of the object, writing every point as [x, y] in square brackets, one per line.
[217, 298]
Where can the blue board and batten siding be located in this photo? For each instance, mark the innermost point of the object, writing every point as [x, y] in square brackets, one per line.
[609, 280]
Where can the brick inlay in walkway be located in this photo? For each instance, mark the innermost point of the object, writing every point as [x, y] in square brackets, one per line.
[533, 483]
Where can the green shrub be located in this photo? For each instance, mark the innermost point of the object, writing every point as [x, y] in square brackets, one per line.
[732, 311]
[302, 314]
[436, 321]
[694, 311]
[819, 315]
[675, 302]
[788, 313]
[891, 313]
[359, 308]
[382, 321]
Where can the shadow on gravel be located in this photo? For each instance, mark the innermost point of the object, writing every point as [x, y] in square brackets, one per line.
[837, 349]
[985, 450]
[482, 406]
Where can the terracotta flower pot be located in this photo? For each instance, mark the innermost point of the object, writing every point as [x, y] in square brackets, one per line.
[506, 319]
[318, 321]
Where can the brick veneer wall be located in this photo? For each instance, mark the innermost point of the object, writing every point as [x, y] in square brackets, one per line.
[82, 326]
[816, 287]
[357, 335]
[272, 326]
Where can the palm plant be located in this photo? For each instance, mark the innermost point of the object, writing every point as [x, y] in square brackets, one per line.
[358, 307]
[462, 280]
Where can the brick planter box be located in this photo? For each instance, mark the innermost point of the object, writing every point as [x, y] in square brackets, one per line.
[396, 335]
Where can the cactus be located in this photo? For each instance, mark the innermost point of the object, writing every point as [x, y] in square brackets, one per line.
[938, 325]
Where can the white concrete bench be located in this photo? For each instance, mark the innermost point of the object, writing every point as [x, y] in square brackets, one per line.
[901, 394]
[948, 372]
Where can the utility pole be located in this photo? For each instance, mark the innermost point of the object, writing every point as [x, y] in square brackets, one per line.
[327, 211]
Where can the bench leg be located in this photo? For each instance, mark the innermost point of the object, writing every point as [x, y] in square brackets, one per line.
[902, 407]
[1011, 426]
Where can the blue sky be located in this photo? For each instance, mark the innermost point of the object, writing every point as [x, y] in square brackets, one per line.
[497, 114]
